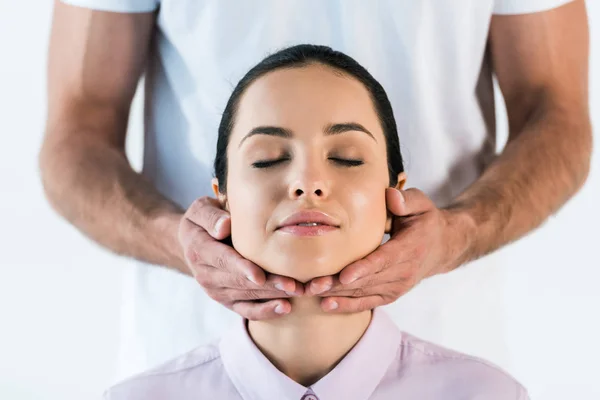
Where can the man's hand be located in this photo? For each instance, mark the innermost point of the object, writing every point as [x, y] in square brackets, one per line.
[425, 241]
[227, 277]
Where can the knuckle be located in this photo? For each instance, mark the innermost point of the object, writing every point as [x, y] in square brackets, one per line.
[215, 294]
[197, 203]
[253, 313]
[410, 281]
[251, 295]
[220, 297]
[195, 208]
[361, 304]
[371, 281]
[225, 296]
[203, 279]
[201, 202]
[238, 309]
[191, 255]
[221, 262]
[239, 282]
[379, 262]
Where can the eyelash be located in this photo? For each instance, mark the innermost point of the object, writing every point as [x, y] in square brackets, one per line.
[341, 161]
[268, 163]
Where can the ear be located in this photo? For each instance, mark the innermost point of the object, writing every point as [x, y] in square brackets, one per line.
[401, 180]
[220, 196]
[399, 186]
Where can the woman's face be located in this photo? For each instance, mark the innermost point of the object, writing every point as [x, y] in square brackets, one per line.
[307, 173]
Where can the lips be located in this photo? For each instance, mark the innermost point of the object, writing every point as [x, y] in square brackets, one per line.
[309, 219]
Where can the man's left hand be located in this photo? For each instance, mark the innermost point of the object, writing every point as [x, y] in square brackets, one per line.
[424, 241]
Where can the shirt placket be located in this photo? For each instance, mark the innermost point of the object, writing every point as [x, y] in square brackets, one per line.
[309, 395]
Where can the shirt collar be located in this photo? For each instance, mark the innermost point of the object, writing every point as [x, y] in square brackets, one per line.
[354, 378]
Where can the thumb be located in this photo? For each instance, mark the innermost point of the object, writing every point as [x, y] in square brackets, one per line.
[402, 203]
[208, 214]
[395, 202]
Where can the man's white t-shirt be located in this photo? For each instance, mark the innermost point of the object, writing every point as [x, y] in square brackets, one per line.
[430, 57]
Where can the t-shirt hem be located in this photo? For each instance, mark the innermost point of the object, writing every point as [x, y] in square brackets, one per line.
[123, 6]
[514, 7]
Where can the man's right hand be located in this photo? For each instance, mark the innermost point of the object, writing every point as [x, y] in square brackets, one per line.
[225, 275]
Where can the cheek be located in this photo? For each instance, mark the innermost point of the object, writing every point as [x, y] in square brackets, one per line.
[250, 203]
[245, 203]
[367, 210]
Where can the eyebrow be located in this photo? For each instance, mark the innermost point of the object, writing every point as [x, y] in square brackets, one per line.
[331, 129]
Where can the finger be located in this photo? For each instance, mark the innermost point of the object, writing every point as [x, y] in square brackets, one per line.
[211, 278]
[415, 202]
[395, 202]
[380, 259]
[321, 284]
[262, 311]
[340, 305]
[215, 280]
[387, 289]
[228, 296]
[284, 284]
[201, 249]
[360, 284]
[207, 213]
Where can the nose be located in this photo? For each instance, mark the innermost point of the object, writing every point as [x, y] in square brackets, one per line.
[312, 183]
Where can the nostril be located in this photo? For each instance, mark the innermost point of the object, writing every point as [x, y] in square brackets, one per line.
[318, 192]
[299, 192]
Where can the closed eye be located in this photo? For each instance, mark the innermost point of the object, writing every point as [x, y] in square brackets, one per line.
[347, 162]
[269, 163]
[340, 161]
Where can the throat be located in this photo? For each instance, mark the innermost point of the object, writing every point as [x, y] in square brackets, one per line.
[308, 343]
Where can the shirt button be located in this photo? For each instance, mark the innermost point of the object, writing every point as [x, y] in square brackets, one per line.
[310, 397]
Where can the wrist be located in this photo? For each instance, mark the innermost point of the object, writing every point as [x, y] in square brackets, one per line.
[167, 225]
[464, 231]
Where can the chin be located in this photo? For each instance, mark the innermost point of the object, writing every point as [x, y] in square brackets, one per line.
[306, 259]
[304, 270]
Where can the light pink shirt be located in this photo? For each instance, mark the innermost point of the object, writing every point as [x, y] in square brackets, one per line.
[385, 364]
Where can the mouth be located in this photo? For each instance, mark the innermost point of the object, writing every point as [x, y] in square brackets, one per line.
[311, 224]
[308, 223]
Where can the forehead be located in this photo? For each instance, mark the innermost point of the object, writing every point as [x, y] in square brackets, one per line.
[300, 96]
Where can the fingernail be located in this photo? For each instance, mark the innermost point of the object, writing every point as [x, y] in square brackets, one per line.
[291, 293]
[352, 279]
[316, 289]
[401, 196]
[279, 286]
[333, 305]
[251, 279]
[220, 223]
[279, 309]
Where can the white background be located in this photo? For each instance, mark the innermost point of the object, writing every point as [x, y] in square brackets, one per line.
[60, 293]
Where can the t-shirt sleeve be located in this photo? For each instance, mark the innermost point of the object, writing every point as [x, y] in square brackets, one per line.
[125, 6]
[526, 6]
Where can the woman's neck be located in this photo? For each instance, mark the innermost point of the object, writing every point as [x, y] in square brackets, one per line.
[308, 343]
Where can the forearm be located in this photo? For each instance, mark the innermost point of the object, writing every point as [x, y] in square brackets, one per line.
[538, 171]
[92, 185]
